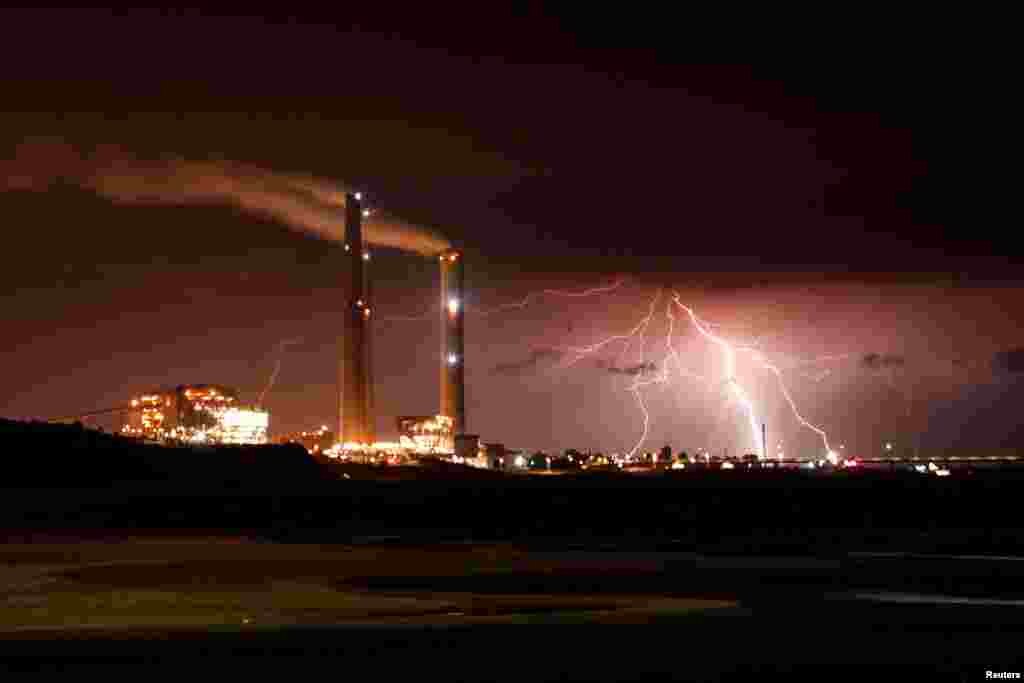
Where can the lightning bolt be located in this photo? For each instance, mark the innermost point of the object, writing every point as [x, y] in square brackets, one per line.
[277, 367]
[671, 365]
[660, 377]
[729, 356]
[673, 354]
[484, 312]
[671, 359]
[578, 353]
[759, 357]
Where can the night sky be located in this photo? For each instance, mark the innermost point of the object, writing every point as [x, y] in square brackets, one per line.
[844, 200]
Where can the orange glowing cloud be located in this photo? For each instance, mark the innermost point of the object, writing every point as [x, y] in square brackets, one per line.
[310, 205]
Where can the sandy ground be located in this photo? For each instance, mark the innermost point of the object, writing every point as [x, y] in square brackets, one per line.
[234, 583]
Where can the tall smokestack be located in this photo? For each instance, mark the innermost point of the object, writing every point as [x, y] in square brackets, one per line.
[371, 434]
[453, 393]
[355, 420]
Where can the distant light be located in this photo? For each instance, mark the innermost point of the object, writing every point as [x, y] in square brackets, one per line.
[452, 359]
[728, 466]
[366, 213]
[888, 446]
[453, 306]
[366, 256]
[347, 248]
[359, 303]
[359, 196]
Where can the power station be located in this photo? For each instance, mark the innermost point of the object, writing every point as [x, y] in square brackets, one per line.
[356, 416]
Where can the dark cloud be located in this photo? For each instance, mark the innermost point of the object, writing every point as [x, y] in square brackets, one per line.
[539, 356]
[520, 367]
[632, 370]
[1008, 362]
[878, 361]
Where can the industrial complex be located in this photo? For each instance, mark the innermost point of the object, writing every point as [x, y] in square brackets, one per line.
[204, 413]
[212, 414]
[444, 433]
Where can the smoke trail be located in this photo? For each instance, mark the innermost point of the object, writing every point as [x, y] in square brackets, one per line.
[277, 367]
[310, 205]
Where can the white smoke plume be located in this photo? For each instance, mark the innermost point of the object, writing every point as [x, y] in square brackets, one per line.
[310, 205]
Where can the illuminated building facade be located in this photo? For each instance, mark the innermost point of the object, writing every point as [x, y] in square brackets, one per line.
[427, 434]
[204, 413]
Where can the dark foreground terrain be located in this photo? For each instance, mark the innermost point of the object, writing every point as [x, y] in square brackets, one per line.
[265, 561]
[895, 645]
[499, 612]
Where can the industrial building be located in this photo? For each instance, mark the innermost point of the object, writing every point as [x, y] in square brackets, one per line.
[426, 434]
[195, 413]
